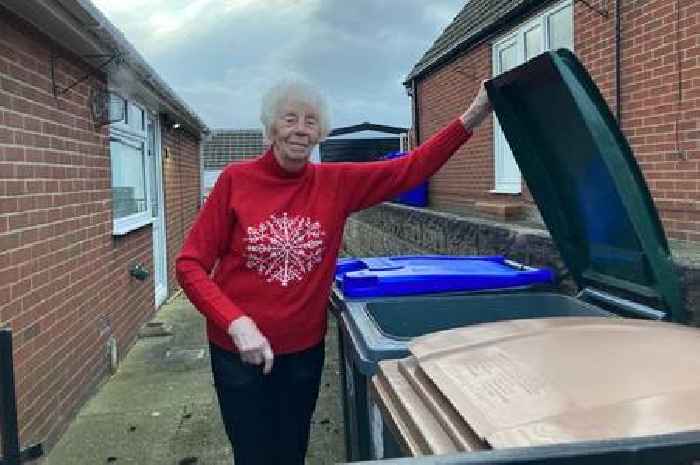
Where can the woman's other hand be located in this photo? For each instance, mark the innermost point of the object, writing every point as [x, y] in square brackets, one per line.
[252, 345]
[479, 109]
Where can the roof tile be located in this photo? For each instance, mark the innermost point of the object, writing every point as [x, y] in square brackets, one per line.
[476, 18]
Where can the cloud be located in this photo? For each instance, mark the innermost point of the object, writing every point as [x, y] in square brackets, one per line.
[164, 23]
[221, 55]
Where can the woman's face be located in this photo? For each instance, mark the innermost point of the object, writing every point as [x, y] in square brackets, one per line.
[295, 132]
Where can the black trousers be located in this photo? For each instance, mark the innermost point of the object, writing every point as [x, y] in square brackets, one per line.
[267, 417]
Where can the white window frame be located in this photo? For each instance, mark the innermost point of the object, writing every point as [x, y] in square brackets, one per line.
[518, 34]
[126, 134]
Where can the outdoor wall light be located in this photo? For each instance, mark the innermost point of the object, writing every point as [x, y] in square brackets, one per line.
[138, 271]
[169, 123]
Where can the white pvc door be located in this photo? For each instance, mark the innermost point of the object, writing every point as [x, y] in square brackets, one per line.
[507, 55]
[160, 266]
[551, 30]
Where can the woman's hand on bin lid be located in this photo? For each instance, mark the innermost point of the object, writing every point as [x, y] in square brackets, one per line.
[479, 109]
[252, 345]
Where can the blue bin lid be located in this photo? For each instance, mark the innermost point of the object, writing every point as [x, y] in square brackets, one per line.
[411, 275]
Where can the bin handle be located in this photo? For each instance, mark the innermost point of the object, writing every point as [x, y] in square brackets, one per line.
[354, 340]
[518, 266]
[626, 306]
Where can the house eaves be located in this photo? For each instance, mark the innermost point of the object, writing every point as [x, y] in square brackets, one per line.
[79, 27]
[367, 127]
[477, 21]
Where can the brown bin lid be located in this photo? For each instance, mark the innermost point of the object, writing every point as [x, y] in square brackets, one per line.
[535, 382]
[446, 415]
[415, 425]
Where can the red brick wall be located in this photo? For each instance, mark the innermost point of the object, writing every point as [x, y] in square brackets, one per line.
[182, 190]
[64, 281]
[650, 106]
[657, 50]
[467, 176]
[594, 43]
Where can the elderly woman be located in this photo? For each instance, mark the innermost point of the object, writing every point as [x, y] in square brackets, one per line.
[270, 232]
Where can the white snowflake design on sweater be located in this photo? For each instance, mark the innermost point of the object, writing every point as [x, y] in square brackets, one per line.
[284, 248]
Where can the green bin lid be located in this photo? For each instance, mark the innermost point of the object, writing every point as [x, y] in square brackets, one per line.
[585, 180]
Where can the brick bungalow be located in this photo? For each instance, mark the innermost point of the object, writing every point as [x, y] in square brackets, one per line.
[644, 56]
[99, 173]
[654, 90]
[223, 146]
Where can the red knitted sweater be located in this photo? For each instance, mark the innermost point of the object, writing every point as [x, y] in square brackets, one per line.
[266, 241]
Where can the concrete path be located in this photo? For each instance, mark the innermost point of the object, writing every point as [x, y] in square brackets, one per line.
[159, 408]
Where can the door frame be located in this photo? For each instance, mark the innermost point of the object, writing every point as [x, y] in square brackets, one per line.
[159, 224]
[502, 156]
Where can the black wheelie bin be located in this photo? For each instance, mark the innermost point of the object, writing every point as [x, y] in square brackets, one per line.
[398, 288]
[594, 200]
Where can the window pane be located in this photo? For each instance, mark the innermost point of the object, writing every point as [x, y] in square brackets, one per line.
[508, 57]
[153, 160]
[116, 108]
[128, 178]
[561, 29]
[136, 117]
[533, 42]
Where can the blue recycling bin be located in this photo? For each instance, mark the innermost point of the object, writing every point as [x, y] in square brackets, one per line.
[416, 197]
[429, 274]
[383, 302]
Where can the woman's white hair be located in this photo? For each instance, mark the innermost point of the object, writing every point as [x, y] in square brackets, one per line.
[298, 91]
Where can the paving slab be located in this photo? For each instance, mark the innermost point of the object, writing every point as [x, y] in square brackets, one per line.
[160, 407]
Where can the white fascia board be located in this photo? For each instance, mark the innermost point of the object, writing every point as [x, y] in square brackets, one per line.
[52, 19]
[78, 26]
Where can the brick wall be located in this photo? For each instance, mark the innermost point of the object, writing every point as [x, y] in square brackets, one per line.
[658, 50]
[660, 47]
[64, 282]
[182, 191]
[443, 96]
[390, 229]
[594, 44]
[653, 40]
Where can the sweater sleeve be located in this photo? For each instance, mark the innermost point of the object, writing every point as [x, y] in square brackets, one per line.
[382, 180]
[204, 245]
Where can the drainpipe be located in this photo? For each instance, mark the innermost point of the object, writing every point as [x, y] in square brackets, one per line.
[416, 114]
[202, 141]
[618, 62]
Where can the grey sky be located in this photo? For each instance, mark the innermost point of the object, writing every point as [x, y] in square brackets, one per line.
[221, 55]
